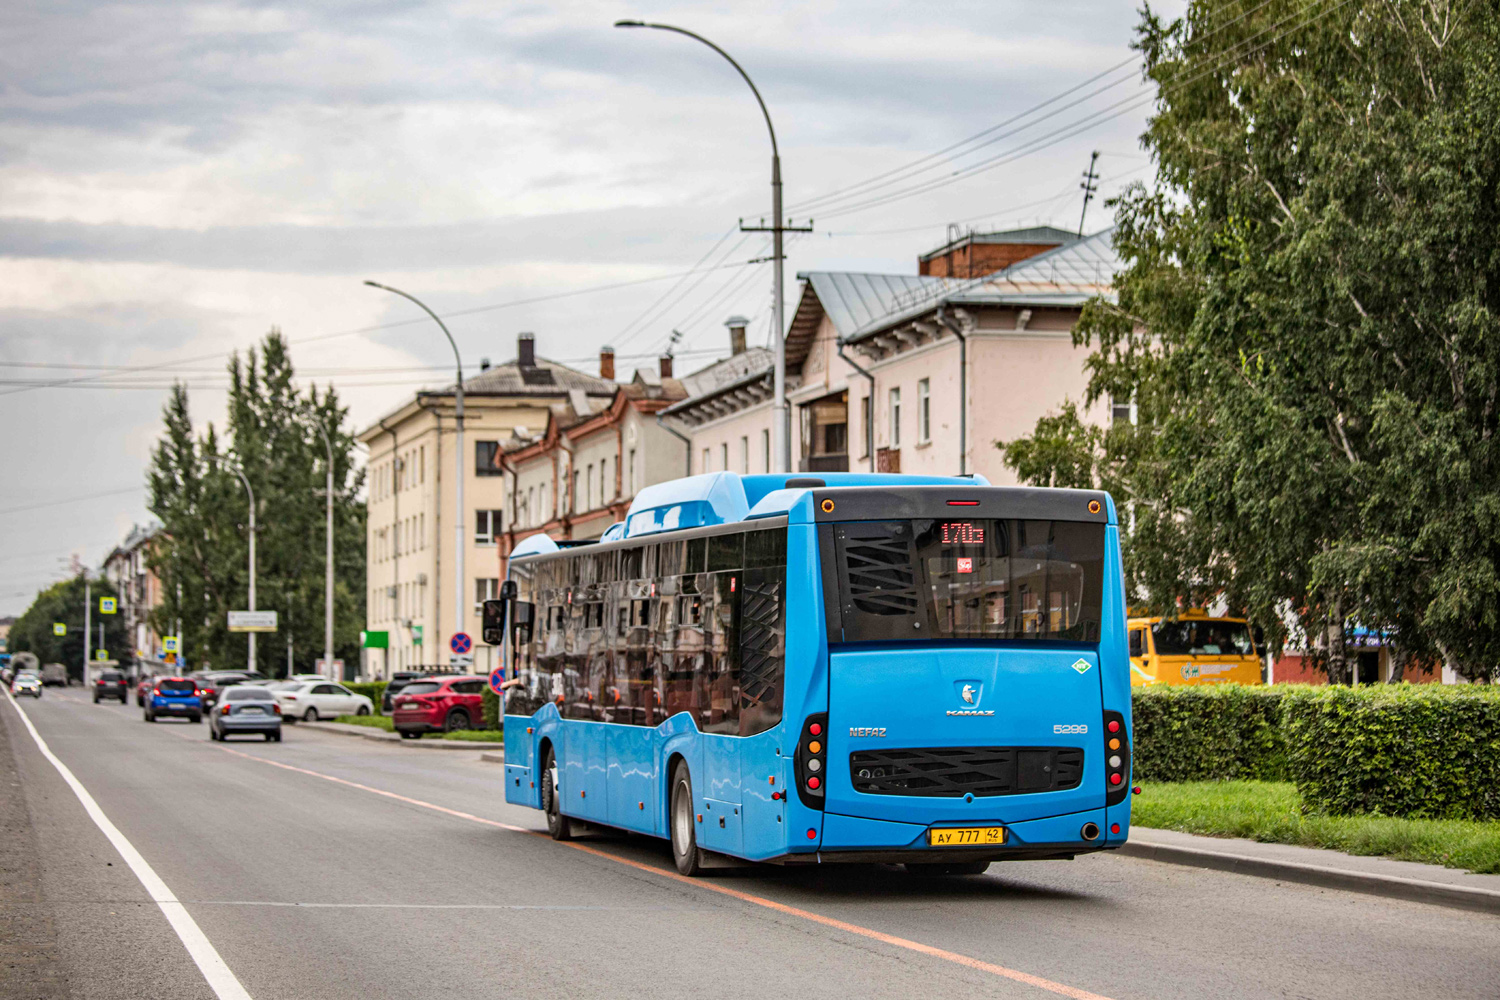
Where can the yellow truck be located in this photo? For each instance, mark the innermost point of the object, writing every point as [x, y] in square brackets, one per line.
[1193, 648]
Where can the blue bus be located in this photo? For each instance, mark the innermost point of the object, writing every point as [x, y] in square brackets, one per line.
[870, 668]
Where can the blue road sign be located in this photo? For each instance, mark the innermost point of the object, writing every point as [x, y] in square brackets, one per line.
[497, 677]
[460, 643]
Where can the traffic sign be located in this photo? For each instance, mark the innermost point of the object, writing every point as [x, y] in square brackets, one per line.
[252, 621]
[59, 628]
[106, 605]
[101, 654]
[461, 661]
[497, 678]
[169, 643]
[460, 643]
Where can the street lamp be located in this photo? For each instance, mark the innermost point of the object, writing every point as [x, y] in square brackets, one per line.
[458, 492]
[328, 560]
[249, 636]
[783, 441]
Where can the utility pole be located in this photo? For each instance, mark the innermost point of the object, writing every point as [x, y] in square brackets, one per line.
[782, 436]
[250, 636]
[1090, 186]
[328, 563]
[88, 627]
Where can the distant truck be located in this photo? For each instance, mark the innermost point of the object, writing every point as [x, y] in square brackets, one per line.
[54, 675]
[24, 662]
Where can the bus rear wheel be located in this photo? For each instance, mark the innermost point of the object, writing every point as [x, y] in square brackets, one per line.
[685, 850]
[558, 825]
[929, 869]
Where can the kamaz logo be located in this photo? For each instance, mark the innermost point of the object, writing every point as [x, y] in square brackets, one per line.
[970, 711]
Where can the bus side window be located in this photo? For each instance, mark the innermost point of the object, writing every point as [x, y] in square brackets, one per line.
[1137, 642]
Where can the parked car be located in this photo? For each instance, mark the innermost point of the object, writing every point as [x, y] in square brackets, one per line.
[174, 697]
[439, 705]
[27, 683]
[55, 675]
[398, 680]
[310, 701]
[109, 684]
[245, 710]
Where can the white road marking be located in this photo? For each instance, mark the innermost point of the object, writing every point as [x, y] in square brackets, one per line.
[447, 906]
[220, 979]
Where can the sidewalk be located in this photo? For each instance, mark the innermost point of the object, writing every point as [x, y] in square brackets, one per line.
[381, 736]
[1314, 866]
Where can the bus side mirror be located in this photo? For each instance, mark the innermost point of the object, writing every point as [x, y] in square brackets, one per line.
[523, 614]
[492, 628]
[1137, 642]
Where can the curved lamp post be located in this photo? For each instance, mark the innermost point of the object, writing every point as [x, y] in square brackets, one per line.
[783, 441]
[458, 492]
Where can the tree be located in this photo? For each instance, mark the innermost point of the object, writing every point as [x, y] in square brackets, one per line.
[1307, 321]
[64, 602]
[203, 558]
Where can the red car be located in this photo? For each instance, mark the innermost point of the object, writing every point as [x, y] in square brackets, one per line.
[439, 705]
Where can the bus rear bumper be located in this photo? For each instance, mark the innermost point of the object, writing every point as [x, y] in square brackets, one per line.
[853, 838]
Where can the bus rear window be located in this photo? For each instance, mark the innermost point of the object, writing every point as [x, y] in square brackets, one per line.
[985, 579]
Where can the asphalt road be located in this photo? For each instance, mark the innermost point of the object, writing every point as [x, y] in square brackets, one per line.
[311, 883]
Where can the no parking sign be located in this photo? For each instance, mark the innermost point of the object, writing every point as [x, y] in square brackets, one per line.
[460, 643]
[497, 678]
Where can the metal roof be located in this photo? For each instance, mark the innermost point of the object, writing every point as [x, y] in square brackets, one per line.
[853, 300]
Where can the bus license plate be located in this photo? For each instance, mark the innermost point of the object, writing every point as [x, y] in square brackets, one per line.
[966, 836]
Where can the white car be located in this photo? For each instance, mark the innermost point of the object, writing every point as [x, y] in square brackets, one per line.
[310, 701]
[27, 684]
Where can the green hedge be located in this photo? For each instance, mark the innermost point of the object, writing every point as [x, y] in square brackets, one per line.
[1201, 733]
[491, 709]
[374, 690]
[1420, 751]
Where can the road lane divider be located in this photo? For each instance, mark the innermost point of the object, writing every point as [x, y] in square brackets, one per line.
[969, 962]
[220, 979]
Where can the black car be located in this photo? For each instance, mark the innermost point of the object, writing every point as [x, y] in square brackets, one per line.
[398, 680]
[211, 682]
[112, 684]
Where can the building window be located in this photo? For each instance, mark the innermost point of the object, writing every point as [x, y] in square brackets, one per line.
[724, 456]
[705, 461]
[487, 458]
[895, 408]
[544, 512]
[765, 449]
[1122, 411]
[634, 485]
[575, 499]
[486, 526]
[864, 427]
[924, 412]
[485, 589]
[745, 454]
[422, 464]
[531, 507]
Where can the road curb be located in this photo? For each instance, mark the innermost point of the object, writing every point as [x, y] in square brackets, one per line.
[493, 758]
[381, 736]
[1370, 883]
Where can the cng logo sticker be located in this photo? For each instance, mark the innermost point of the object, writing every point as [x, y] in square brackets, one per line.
[1081, 665]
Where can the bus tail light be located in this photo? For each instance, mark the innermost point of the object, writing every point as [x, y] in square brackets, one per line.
[811, 760]
[1116, 759]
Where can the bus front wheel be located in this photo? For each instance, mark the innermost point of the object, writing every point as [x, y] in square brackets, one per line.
[684, 832]
[558, 825]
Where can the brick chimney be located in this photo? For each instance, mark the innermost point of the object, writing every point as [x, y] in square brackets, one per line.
[666, 366]
[526, 350]
[607, 362]
[736, 326]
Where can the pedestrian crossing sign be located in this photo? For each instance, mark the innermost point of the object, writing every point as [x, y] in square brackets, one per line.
[169, 644]
[106, 605]
[59, 628]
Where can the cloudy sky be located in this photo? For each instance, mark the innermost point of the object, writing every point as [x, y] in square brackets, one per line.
[176, 178]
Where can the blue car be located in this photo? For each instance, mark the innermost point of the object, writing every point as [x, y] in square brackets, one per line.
[174, 697]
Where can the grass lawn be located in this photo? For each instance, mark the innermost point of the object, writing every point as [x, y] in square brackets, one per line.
[1270, 812]
[373, 721]
[477, 736]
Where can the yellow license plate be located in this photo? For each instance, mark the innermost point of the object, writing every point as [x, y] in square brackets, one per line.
[966, 836]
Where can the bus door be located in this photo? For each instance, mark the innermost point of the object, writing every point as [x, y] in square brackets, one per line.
[965, 664]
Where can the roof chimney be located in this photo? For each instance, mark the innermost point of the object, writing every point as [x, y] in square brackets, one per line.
[607, 362]
[736, 326]
[666, 366]
[526, 350]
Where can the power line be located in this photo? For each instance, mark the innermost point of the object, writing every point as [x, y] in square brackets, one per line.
[1091, 120]
[382, 326]
[54, 503]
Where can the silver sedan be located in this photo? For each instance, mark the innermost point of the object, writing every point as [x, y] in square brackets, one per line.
[245, 711]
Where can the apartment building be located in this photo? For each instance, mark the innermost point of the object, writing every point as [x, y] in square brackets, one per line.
[139, 591]
[410, 543]
[917, 373]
